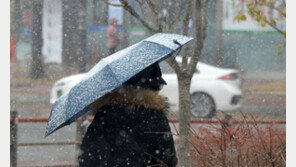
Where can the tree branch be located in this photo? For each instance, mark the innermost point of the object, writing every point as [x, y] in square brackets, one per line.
[171, 25]
[198, 38]
[274, 27]
[112, 4]
[185, 26]
[205, 19]
[141, 4]
[177, 18]
[169, 12]
[174, 64]
[154, 12]
[277, 9]
[284, 2]
[127, 7]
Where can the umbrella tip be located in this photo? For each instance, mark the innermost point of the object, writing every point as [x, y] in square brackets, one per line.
[176, 42]
[47, 133]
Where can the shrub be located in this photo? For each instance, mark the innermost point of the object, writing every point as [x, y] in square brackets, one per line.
[246, 144]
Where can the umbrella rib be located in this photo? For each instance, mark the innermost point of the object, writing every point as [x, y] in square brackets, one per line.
[179, 45]
[113, 73]
[159, 44]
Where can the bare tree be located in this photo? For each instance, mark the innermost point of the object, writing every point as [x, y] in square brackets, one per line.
[177, 17]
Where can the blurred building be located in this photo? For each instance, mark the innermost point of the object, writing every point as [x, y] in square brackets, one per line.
[245, 47]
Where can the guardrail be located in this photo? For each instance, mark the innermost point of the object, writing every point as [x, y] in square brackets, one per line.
[14, 120]
[171, 120]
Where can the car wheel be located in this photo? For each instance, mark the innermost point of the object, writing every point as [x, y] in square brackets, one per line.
[202, 105]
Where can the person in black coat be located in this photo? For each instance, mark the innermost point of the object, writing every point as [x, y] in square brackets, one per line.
[130, 127]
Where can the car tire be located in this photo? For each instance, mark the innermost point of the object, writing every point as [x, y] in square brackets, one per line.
[202, 105]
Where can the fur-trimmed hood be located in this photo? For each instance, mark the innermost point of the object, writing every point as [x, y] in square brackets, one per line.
[135, 97]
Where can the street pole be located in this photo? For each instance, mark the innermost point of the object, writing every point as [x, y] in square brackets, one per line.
[219, 17]
[13, 139]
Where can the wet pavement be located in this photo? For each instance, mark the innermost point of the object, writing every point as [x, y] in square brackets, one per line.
[42, 155]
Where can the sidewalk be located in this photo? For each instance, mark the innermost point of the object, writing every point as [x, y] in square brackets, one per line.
[271, 76]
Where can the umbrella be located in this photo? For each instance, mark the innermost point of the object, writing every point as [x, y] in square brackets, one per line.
[110, 73]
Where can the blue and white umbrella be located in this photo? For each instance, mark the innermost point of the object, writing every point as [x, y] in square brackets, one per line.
[110, 73]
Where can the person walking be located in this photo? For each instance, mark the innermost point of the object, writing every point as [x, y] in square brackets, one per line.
[130, 127]
[112, 33]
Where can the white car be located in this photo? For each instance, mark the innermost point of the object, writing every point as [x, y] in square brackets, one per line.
[212, 89]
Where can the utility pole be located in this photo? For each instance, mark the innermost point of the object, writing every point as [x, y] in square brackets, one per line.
[37, 41]
[219, 17]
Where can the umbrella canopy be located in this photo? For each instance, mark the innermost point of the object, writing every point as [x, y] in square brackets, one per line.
[110, 73]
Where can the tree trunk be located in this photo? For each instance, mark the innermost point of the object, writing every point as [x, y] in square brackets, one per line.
[105, 15]
[94, 7]
[37, 42]
[185, 72]
[219, 18]
[184, 157]
[15, 22]
[102, 13]
[82, 33]
[70, 32]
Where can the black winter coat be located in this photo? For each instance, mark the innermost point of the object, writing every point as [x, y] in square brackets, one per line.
[130, 130]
